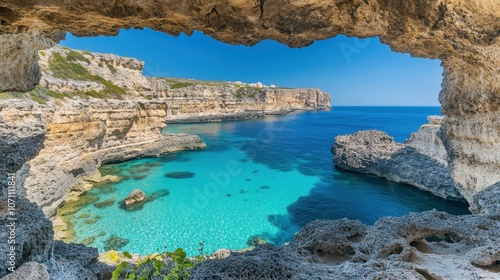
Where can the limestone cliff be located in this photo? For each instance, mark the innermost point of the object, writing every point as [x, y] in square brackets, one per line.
[68, 72]
[421, 161]
[227, 101]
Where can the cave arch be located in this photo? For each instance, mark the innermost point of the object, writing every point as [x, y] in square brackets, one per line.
[464, 35]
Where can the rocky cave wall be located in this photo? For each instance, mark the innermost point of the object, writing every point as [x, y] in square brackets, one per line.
[464, 35]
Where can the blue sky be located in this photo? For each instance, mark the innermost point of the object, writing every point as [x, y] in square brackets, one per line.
[353, 71]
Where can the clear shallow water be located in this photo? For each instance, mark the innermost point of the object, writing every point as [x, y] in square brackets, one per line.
[266, 177]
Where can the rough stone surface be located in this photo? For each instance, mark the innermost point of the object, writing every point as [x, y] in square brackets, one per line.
[19, 52]
[29, 270]
[36, 251]
[429, 245]
[21, 137]
[34, 233]
[135, 196]
[76, 261]
[487, 202]
[420, 162]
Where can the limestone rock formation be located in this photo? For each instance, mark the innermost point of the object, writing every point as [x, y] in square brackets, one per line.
[487, 202]
[135, 196]
[29, 270]
[420, 162]
[418, 246]
[227, 101]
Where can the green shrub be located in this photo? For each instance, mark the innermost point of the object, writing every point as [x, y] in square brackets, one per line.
[56, 94]
[111, 68]
[37, 98]
[174, 84]
[42, 53]
[171, 265]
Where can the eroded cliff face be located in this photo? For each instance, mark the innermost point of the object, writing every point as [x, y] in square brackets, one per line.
[225, 101]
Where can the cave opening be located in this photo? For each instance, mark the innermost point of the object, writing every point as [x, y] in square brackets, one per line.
[369, 86]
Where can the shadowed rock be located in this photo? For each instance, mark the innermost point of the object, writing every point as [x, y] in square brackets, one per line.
[422, 165]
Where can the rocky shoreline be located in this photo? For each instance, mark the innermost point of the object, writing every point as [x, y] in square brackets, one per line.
[421, 161]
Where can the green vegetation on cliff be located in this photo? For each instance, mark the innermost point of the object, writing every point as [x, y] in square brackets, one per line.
[65, 68]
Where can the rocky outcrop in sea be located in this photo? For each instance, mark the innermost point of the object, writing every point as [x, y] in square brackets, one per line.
[421, 161]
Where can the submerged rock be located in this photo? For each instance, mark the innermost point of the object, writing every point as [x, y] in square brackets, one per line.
[256, 240]
[159, 194]
[105, 203]
[89, 240]
[134, 197]
[180, 175]
[115, 243]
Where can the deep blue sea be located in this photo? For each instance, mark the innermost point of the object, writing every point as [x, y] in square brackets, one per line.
[266, 178]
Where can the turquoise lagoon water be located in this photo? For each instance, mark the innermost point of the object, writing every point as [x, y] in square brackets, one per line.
[266, 177]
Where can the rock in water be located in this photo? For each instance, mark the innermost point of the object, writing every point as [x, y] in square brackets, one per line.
[134, 197]
[421, 161]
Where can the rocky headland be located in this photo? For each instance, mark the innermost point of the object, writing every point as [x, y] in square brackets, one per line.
[229, 101]
[420, 161]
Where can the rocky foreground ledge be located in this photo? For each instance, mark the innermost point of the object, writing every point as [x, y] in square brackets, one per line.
[429, 245]
[421, 161]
